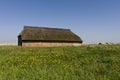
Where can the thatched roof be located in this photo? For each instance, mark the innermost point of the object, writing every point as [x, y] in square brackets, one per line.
[30, 33]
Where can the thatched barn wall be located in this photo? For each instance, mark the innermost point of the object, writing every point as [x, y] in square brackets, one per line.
[48, 44]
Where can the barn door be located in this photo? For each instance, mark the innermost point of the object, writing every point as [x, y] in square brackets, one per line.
[19, 41]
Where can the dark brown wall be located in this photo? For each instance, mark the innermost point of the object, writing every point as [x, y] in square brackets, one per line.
[19, 41]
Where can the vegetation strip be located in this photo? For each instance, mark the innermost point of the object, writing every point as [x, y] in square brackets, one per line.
[87, 62]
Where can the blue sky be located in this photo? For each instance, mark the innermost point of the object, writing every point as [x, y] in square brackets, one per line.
[93, 20]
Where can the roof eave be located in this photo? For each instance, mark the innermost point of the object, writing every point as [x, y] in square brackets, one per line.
[51, 41]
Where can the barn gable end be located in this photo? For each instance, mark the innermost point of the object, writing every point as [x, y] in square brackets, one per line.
[43, 36]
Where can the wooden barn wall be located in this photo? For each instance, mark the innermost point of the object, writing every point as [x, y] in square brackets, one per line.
[48, 44]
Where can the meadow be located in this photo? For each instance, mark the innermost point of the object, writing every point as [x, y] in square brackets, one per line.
[87, 62]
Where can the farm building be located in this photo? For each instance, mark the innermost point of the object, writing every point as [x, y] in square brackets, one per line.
[47, 37]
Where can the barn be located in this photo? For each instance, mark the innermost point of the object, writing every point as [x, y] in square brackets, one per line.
[47, 37]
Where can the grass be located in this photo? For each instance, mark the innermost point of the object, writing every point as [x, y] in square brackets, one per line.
[87, 62]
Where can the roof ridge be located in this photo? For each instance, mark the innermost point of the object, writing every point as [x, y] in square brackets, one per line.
[44, 27]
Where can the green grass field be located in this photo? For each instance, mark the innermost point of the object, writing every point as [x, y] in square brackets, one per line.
[87, 62]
